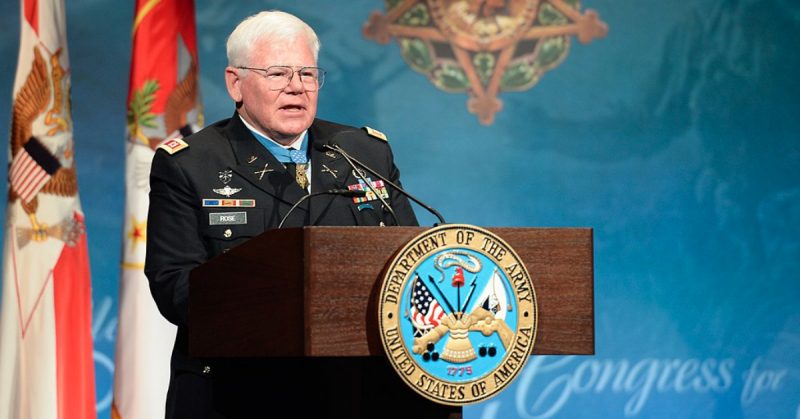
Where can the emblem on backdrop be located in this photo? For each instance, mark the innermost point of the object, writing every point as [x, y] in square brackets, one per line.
[458, 314]
[484, 47]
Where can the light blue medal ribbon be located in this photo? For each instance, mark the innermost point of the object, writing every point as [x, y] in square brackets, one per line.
[289, 155]
[298, 156]
[282, 154]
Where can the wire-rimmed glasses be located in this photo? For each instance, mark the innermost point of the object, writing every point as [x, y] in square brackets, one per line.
[279, 76]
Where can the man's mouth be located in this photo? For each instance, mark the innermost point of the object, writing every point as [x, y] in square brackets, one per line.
[293, 108]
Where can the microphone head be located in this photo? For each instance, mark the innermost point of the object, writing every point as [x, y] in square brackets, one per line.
[348, 192]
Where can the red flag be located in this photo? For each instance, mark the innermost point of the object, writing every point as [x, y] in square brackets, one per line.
[46, 362]
[163, 102]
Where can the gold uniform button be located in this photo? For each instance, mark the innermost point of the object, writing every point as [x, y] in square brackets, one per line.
[227, 233]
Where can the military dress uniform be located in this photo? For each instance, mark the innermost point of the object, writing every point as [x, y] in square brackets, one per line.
[188, 223]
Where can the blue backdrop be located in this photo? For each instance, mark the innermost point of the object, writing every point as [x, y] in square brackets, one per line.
[675, 138]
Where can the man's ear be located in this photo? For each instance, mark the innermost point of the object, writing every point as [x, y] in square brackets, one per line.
[233, 82]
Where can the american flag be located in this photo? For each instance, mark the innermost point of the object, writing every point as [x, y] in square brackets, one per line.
[31, 169]
[425, 309]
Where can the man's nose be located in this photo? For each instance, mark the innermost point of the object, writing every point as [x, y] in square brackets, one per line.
[295, 84]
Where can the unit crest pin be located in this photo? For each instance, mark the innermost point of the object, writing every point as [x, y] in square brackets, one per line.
[225, 176]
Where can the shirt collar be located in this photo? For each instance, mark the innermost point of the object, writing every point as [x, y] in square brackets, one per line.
[282, 153]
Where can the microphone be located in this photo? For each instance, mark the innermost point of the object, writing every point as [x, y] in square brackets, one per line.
[334, 146]
[342, 192]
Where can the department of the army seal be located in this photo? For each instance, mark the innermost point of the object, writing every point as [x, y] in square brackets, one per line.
[458, 314]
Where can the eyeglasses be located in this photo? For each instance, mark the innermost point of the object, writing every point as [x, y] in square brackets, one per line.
[279, 76]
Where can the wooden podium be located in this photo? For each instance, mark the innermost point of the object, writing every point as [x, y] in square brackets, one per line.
[310, 293]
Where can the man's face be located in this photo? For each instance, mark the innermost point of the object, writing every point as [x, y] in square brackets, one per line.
[281, 114]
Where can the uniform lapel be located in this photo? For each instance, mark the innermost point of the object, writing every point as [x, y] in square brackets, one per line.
[259, 167]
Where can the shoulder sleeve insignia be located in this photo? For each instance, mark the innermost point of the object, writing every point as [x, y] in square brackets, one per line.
[173, 145]
[376, 134]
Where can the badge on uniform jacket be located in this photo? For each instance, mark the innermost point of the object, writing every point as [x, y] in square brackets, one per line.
[370, 196]
[225, 177]
[227, 190]
[214, 203]
[173, 145]
[227, 218]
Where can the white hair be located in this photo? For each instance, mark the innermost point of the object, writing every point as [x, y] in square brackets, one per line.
[273, 25]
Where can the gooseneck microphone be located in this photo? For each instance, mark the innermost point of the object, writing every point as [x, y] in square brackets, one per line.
[342, 192]
[334, 146]
[359, 174]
